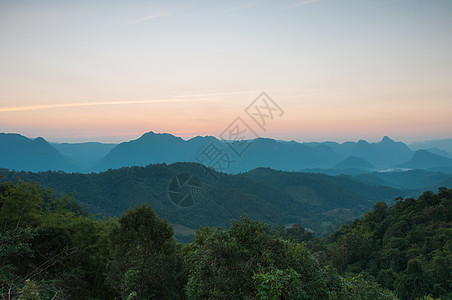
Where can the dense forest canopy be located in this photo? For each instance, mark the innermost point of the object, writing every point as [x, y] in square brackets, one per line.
[406, 247]
[51, 249]
[319, 202]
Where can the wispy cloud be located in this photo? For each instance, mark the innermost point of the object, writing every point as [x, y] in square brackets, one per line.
[148, 18]
[84, 104]
[178, 98]
[170, 11]
[298, 4]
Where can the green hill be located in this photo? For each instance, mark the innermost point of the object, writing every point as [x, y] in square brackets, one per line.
[406, 247]
[319, 202]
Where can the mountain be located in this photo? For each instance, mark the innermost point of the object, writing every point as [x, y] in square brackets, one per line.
[232, 157]
[439, 152]
[319, 202]
[328, 200]
[423, 159]
[383, 154]
[443, 145]
[152, 148]
[270, 153]
[84, 155]
[21, 153]
[262, 152]
[353, 162]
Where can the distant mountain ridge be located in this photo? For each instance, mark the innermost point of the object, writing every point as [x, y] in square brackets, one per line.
[21, 153]
[263, 152]
[323, 157]
[423, 159]
[354, 162]
[444, 145]
[151, 148]
[85, 155]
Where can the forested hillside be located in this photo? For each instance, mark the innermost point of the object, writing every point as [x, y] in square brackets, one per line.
[51, 249]
[319, 202]
[406, 247]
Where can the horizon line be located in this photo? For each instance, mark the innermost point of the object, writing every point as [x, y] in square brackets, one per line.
[188, 137]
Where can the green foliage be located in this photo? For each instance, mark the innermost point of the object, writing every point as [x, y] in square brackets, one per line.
[49, 245]
[276, 283]
[356, 287]
[320, 202]
[251, 261]
[20, 205]
[143, 257]
[297, 233]
[406, 247]
[30, 291]
[52, 249]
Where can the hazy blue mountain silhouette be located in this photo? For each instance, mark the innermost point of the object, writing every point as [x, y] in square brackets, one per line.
[270, 153]
[354, 162]
[153, 148]
[423, 159]
[439, 152]
[384, 154]
[150, 148]
[442, 145]
[84, 155]
[20, 153]
[263, 152]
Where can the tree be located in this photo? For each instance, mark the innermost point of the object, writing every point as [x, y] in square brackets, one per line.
[298, 233]
[406, 247]
[413, 283]
[144, 257]
[50, 245]
[249, 260]
[20, 205]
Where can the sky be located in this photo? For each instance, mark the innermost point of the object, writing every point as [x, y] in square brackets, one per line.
[109, 71]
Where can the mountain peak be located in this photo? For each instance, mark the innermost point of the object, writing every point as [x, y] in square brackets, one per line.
[386, 139]
[40, 140]
[423, 159]
[152, 134]
[354, 162]
[424, 154]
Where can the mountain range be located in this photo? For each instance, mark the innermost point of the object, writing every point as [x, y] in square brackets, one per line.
[262, 178]
[20, 153]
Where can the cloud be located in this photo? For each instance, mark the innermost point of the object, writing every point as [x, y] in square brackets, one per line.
[171, 11]
[179, 98]
[148, 18]
[82, 104]
[298, 4]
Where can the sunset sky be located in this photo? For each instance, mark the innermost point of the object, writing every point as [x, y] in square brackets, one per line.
[340, 70]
